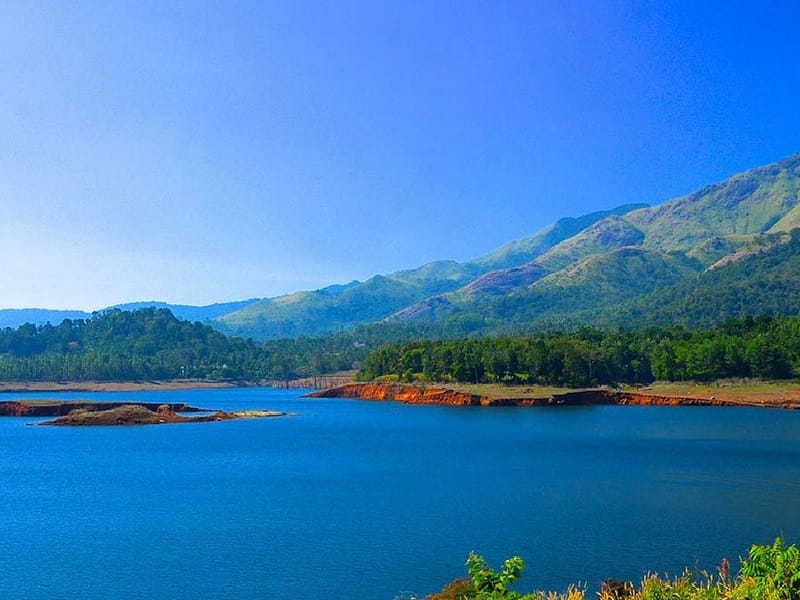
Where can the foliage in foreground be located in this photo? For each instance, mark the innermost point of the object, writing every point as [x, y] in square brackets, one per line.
[770, 572]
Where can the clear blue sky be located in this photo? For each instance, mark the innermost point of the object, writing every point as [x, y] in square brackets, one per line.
[197, 152]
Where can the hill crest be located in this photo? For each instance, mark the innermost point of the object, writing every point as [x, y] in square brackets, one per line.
[624, 253]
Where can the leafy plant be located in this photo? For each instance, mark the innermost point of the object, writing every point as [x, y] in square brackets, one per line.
[485, 583]
[491, 585]
[771, 572]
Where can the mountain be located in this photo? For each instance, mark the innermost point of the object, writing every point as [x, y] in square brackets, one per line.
[725, 250]
[763, 281]
[590, 263]
[644, 254]
[762, 200]
[519, 252]
[333, 309]
[329, 310]
[599, 280]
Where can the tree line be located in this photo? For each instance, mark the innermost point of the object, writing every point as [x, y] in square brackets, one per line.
[152, 344]
[763, 347]
[121, 345]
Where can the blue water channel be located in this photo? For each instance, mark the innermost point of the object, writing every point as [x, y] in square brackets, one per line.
[352, 499]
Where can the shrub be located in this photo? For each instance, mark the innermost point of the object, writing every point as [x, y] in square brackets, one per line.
[770, 572]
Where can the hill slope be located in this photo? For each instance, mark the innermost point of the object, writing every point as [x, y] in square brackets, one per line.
[575, 270]
[598, 281]
[339, 308]
[519, 252]
[765, 282]
[752, 202]
[618, 259]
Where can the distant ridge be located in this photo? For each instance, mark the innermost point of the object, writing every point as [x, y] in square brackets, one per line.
[323, 311]
[630, 265]
[14, 317]
[191, 313]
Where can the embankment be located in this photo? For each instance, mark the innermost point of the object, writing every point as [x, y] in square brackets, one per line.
[408, 394]
[414, 394]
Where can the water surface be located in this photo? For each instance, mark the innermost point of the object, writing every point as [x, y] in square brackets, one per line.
[356, 499]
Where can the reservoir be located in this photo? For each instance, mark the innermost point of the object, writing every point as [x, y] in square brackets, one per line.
[353, 499]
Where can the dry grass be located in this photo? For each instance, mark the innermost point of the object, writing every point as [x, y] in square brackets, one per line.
[500, 390]
[746, 391]
[739, 391]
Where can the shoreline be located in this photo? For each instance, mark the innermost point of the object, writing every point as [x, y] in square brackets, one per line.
[152, 385]
[442, 395]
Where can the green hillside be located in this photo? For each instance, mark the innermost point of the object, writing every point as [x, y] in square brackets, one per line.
[120, 345]
[761, 283]
[604, 236]
[621, 259]
[635, 262]
[326, 311]
[13, 318]
[519, 252]
[343, 307]
[753, 202]
[598, 281]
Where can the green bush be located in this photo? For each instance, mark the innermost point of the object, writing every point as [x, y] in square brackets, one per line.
[770, 572]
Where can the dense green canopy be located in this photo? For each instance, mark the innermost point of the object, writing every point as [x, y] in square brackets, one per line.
[763, 347]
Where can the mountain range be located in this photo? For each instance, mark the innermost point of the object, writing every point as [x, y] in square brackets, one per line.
[727, 250]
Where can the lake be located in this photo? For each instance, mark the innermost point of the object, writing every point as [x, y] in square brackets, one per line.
[351, 499]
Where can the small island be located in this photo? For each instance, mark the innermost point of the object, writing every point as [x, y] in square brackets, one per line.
[84, 412]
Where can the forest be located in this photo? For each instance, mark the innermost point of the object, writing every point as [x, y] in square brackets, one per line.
[122, 345]
[153, 344]
[763, 347]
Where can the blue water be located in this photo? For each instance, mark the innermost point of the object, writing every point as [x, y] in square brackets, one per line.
[364, 500]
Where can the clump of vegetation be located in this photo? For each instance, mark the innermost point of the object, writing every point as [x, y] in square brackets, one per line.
[484, 583]
[762, 347]
[770, 572]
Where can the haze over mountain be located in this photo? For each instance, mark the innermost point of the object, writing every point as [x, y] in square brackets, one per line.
[686, 257]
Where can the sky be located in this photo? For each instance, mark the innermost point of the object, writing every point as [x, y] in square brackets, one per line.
[198, 152]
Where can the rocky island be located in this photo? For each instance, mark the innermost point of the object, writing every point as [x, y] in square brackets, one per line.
[79, 413]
